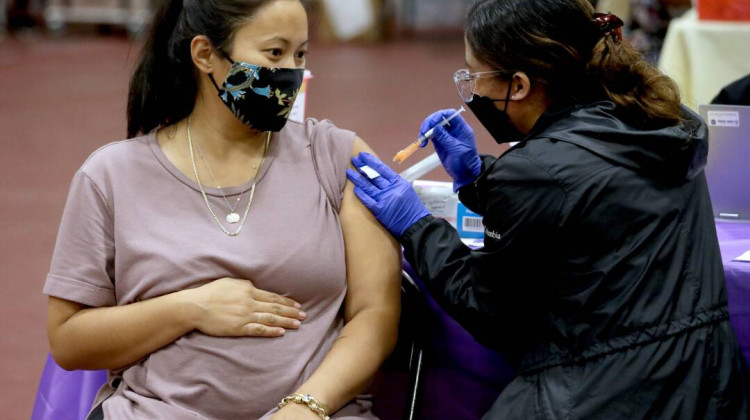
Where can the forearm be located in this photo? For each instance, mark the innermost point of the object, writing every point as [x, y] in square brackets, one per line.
[114, 337]
[361, 348]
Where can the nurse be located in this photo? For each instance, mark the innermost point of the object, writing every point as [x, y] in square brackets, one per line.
[601, 271]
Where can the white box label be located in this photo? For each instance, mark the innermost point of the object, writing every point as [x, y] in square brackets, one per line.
[723, 119]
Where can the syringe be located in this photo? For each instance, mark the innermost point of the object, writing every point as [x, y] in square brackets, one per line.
[412, 148]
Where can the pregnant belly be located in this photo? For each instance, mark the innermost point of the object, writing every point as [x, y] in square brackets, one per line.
[231, 378]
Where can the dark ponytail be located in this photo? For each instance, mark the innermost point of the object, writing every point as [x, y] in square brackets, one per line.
[557, 43]
[164, 87]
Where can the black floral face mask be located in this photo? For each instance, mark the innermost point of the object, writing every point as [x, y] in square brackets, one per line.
[260, 97]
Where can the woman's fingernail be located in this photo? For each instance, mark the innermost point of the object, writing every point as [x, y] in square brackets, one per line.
[296, 323]
[297, 305]
[303, 314]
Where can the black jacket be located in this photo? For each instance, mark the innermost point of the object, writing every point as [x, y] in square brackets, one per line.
[601, 273]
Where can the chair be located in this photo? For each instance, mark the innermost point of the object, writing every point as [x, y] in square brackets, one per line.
[413, 339]
[66, 395]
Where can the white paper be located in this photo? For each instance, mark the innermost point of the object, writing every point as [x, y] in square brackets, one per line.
[439, 199]
[371, 173]
[744, 257]
[473, 243]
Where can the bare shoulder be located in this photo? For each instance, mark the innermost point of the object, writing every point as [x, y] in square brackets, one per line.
[361, 146]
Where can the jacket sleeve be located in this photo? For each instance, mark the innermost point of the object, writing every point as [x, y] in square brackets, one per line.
[498, 291]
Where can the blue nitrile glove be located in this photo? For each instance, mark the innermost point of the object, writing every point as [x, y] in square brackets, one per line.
[390, 198]
[456, 147]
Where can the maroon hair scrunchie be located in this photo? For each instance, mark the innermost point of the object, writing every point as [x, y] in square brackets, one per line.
[609, 24]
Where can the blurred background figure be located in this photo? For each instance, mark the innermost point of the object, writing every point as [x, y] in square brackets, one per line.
[736, 93]
[3, 18]
[647, 21]
[650, 21]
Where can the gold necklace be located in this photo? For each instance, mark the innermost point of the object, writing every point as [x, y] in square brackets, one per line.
[232, 216]
[203, 192]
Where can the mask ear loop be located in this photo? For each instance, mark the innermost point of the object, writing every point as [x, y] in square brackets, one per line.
[226, 56]
[507, 99]
[507, 94]
[211, 76]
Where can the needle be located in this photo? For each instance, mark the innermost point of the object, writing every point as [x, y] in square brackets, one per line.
[413, 147]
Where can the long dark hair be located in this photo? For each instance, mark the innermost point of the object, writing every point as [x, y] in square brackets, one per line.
[164, 86]
[557, 44]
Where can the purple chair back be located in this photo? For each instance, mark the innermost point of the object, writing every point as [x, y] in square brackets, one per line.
[66, 395]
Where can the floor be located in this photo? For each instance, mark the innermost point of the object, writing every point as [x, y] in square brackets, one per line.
[60, 99]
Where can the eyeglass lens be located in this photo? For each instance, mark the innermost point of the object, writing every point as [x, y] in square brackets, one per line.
[465, 84]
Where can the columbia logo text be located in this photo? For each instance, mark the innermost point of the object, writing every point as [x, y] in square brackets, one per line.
[493, 235]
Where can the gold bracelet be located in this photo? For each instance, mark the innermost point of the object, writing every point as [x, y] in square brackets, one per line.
[307, 400]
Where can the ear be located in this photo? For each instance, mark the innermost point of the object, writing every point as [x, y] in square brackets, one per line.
[521, 86]
[204, 54]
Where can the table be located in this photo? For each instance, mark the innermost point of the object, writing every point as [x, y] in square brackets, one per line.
[704, 56]
[132, 14]
[734, 239]
[463, 378]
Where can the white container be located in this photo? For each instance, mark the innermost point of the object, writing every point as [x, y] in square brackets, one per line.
[439, 199]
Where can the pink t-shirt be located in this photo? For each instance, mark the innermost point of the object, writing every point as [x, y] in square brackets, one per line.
[135, 228]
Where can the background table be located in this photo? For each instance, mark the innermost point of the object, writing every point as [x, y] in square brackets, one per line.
[704, 56]
[734, 239]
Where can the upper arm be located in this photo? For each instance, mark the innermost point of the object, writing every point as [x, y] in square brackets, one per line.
[81, 272]
[373, 256]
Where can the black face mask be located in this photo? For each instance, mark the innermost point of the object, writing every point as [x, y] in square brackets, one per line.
[495, 121]
[260, 97]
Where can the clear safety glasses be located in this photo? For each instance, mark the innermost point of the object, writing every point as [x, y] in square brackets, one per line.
[466, 82]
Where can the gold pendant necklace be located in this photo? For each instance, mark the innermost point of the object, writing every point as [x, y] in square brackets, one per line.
[205, 197]
[232, 216]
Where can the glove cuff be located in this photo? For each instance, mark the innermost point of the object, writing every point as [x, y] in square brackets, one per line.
[416, 227]
[474, 170]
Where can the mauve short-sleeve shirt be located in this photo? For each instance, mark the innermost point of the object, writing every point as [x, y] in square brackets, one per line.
[135, 228]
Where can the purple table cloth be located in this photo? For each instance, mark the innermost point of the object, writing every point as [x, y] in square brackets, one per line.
[734, 239]
[463, 378]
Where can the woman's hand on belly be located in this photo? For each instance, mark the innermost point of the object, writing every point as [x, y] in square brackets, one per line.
[235, 308]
